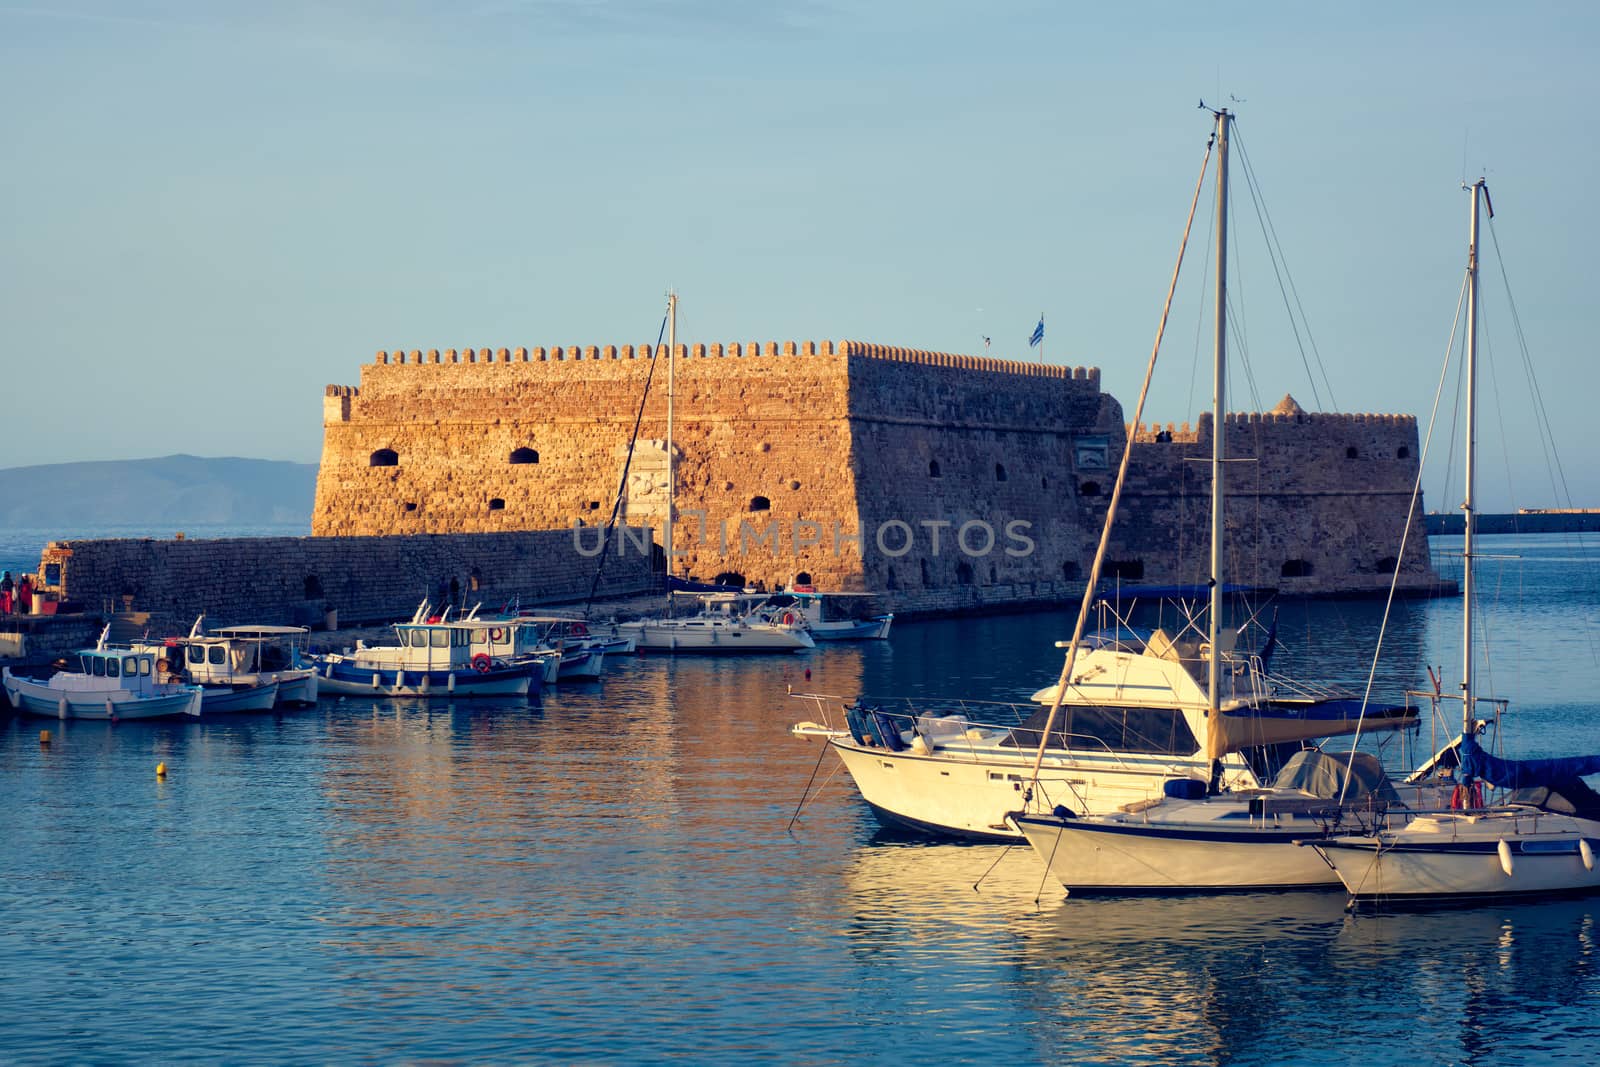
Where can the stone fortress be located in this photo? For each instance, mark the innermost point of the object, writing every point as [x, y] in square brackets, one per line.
[941, 482]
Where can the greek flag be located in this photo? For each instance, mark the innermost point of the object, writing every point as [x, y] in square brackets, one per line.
[1038, 333]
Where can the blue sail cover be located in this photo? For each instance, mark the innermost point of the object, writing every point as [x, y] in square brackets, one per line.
[1523, 773]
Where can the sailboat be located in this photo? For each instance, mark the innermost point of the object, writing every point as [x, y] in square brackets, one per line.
[1133, 716]
[1541, 842]
[718, 623]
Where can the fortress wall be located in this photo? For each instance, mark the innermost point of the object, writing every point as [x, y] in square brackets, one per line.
[777, 421]
[282, 580]
[794, 457]
[966, 486]
[1296, 497]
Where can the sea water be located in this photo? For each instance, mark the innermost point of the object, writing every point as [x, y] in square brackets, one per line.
[624, 872]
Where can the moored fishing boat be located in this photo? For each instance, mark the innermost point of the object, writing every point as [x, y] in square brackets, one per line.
[102, 682]
[831, 616]
[431, 659]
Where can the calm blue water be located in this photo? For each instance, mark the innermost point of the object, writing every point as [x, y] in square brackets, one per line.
[609, 876]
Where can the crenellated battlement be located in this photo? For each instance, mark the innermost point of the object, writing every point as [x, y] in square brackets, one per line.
[735, 350]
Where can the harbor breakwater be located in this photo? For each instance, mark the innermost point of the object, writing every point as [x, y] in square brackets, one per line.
[324, 581]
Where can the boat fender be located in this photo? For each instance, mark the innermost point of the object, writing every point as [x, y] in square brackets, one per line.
[788, 618]
[1586, 853]
[1504, 849]
[481, 664]
[496, 635]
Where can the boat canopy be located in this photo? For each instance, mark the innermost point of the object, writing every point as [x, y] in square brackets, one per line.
[1322, 775]
[1523, 773]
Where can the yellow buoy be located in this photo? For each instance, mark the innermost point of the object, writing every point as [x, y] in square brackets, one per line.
[161, 770]
[44, 737]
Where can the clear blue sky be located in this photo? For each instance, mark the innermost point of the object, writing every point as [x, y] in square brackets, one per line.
[211, 210]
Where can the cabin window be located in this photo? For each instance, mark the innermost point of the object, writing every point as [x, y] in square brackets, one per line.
[1351, 453]
[1403, 453]
[439, 638]
[460, 638]
[524, 455]
[195, 653]
[1162, 731]
[52, 574]
[130, 666]
[999, 472]
[384, 457]
[99, 667]
[112, 667]
[144, 666]
[760, 503]
[216, 654]
[1296, 568]
[933, 469]
[480, 637]
[496, 504]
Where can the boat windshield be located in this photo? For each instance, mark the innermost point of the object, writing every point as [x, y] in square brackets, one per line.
[1096, 728]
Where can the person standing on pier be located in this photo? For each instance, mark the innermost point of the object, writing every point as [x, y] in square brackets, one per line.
[6, 585]
[25, 595]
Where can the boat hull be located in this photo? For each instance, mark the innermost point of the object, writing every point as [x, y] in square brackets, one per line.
[870, 630]
[719, 641]
[971, 798]
[221, 699]
[583, 666]
[353, 680]
[1459, 858]
[41, 701]
[296, 688]
[1117, 855]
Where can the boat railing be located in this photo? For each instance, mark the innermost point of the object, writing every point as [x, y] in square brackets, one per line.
[956, 728]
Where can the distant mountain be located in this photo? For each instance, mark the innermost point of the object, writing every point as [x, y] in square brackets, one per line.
[171, 490]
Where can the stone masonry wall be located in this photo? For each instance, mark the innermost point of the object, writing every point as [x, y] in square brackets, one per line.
[789, 456]
[843, 463]
[282, 580]
[1315, 503]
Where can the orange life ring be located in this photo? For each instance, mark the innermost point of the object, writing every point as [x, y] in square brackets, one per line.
[580, 630]
[162, 665]
[788, 618]
[496, 634]
[481, 663]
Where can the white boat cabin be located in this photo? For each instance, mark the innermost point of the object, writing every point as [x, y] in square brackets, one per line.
[108, 670]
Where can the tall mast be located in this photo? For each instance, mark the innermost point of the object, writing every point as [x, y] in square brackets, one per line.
[1469, 516]
[1218, 423]
[672, 469]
